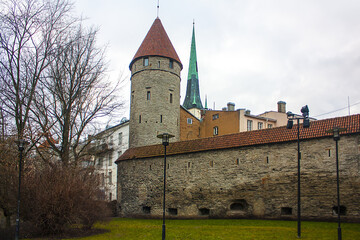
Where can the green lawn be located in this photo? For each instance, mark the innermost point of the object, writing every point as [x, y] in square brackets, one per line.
[211, 229]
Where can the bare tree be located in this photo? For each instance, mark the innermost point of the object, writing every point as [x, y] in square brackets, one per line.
[30, 31]
[74, 93]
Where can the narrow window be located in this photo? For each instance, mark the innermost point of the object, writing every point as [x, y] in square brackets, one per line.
[110, 177]
[120, 138]
[158, 64]
[260, 125]
[161, 118]
[110, 159]
[237, 161]
[146, 61]
[189, 121]
[249, 125]
[132, 98]
[329, 152]
[267, 159]
[171, 64]
[139, 118]
[110, 196]
[211, 163]
[148, 95]
[270, 125]
[189, 164]
[216, 131]
[171, 98]
[215, 116]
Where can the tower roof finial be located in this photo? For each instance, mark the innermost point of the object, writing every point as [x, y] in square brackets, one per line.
[158, 8]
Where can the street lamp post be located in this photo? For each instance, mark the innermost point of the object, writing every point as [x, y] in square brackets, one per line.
[165, 141]
[336, 131]
[306, 124]
[21, 144]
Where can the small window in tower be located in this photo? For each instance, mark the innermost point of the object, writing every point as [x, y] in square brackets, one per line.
[139, 118]
[171, 98]
[148, 95]
[171, 64]
[146, 61]
[161, 118]
[189, 121]
[216, 131]
[158, 64]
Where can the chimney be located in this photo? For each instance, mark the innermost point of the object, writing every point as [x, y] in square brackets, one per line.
[231, 106]
[281, 107]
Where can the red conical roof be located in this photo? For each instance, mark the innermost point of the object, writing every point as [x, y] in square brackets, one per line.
[157, 43]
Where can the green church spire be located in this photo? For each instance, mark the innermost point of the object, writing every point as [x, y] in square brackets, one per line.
[192, 98]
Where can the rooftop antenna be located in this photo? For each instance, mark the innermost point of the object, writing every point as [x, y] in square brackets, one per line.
[158, 7]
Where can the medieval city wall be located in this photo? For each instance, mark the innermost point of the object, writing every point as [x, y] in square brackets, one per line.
[256, 181]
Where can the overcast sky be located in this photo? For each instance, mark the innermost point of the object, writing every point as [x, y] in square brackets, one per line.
[253, 53]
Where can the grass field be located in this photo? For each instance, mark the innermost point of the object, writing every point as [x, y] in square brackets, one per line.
[211, 229]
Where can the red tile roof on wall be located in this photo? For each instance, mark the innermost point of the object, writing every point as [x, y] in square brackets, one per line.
[267, 136]
[156, 43]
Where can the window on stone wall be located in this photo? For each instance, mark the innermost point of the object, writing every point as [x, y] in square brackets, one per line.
[286, 211]
[173, 211]
[189, 121]
[139, 118]
[171, 64]
[267, 159]
[161, 118]
[158, 64]
[260, 125]
[239, 205]
[148, 95]
[146, 209]
[204, 211]
[211, 163]
[342, 210]
[215, 116]
[237, 161]
[171, 98]
[146, 61]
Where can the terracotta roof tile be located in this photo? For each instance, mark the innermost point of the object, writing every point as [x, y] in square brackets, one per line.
[273, 135]
[156, 43]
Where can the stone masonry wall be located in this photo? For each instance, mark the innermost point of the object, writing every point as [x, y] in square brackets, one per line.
[255, 181]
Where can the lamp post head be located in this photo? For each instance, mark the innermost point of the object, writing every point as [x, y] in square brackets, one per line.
[305, 111]
[21, 144]
[336, 132]
[165, 138]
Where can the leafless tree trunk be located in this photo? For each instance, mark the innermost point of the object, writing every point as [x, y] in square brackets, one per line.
[74, 93]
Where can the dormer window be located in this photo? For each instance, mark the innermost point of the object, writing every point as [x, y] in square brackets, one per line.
[171, 64]
[146, 61]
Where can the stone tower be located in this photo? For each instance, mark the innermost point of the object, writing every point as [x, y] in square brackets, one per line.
[192, 101]
[155, 89]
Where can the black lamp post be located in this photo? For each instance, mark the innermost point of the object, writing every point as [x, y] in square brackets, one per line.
[21, 144]
[336, 131]
[306, 124]
[165, 141]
